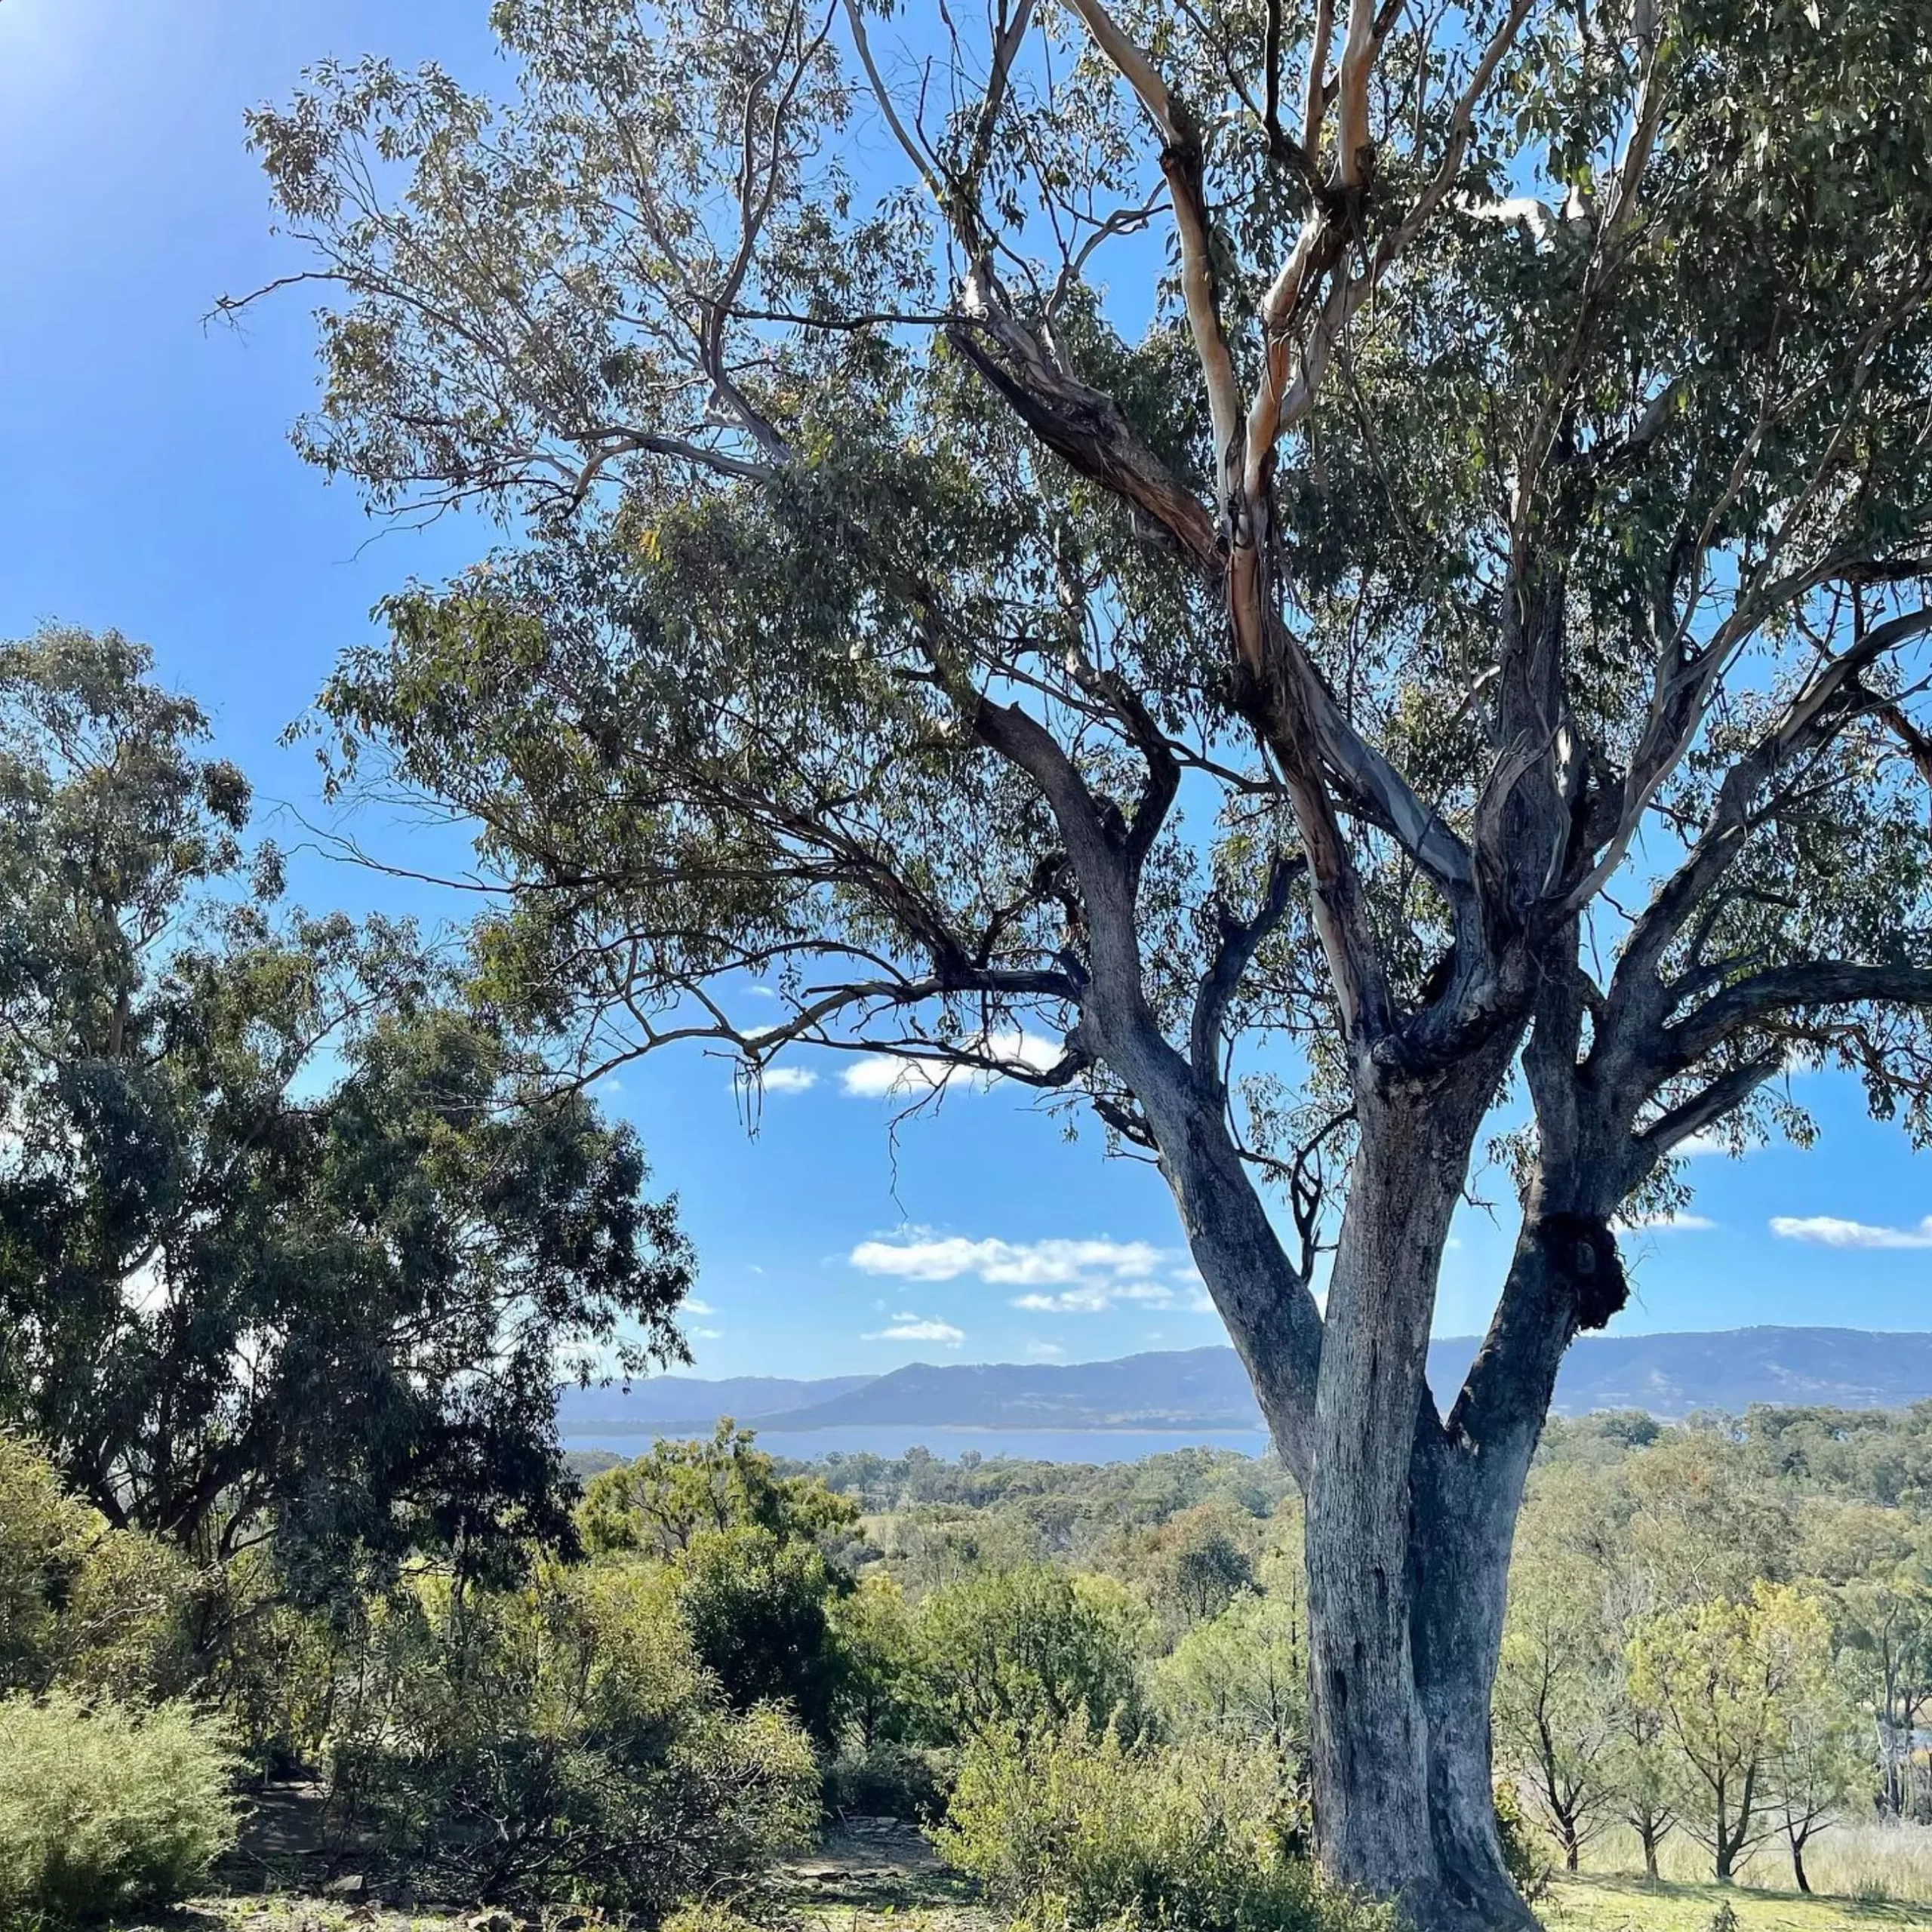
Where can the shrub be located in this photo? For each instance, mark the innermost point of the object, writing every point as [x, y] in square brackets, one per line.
[1069, 1830]
[1523, 1859]
[1241, 1675]
[563, 1741]
[1030, 1647]
[758, 1610]
[886, 1781]
[103, 1610]
[102, 1808]
[708, 1915]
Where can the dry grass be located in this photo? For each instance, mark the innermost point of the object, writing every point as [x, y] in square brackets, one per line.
[1877, 1863]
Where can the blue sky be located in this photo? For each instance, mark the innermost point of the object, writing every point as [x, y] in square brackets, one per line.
[146, 482]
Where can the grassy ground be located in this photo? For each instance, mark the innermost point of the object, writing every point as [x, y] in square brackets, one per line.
[1598, 1904]
[1580, 1905]
[878, 1879]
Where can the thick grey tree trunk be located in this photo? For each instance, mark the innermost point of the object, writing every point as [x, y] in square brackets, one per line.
[1408, 1547]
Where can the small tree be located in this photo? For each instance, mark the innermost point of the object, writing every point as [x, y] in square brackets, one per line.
[1642, 1775]
[659, 1503]
[1886, 1622]
[759, 1608]
[1555, 1693]
[878, 1643]
[1031, 1648]
[1822, 1766]
[1243, 1673]
[1728, 1680]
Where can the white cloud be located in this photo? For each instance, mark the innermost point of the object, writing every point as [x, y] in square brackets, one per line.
[690, 1305]
[910, 1327]
[1043, 1351]
[890, 1076]
[707, 1334]
[1062, 1277]
[1052, 1263]
[1096, 1297]
[788, 1079]
[1828, 1231]
[1663, 1224]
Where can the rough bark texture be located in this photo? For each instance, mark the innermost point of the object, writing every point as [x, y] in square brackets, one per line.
[1408, 1545]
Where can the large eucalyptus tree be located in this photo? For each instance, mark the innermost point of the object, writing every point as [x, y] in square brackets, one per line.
[1330, 561]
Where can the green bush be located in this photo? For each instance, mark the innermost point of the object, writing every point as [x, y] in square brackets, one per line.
[886, 1781]
[1031, 1647]
[103, 1809]
[1066, 1830]
[1529, 1872]
[563, 1741]
[102, 1609]
[758, 1610]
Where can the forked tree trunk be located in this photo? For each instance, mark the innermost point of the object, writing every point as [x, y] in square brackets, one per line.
[1650, 1836]
[1407, 1552]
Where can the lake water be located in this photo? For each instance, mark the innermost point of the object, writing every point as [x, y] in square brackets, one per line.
[1039, 1445]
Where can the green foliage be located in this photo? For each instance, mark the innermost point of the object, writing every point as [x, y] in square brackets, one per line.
[1522, 1857]
[659, 1503]
[1067, 1828]
[1242, 1675]
[877, 1640]
[707, 1916]
[1063, 1509]
[1728, 1679]
[282, 1229]
[888, 1780]
[103, 1610]
[1554, 1708]
[758, 1610]
[1193, 1564]
[105, 1809]
[563, 1740]
[1031, 1648]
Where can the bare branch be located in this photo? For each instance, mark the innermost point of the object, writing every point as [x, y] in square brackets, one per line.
[1240, 939]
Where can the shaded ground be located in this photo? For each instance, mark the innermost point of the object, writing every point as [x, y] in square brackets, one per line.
[290, 1875]
[875, 1865]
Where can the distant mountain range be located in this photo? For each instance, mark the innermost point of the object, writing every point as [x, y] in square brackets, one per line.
[1206, 1389]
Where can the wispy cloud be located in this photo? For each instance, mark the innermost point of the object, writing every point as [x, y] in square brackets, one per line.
[1061, 1277]
[897, 1076]
[1828, 1231]
[788, 1079]
[690, 1305]
[1663, 1224]
[1096, 1297]
[707, 1334]
[1043, 1351]
[919, 1257]
[909, 1327]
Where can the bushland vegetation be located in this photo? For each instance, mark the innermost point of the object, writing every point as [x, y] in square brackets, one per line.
[1087, 1684]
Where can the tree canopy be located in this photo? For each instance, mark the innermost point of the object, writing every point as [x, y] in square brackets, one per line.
[1279, 569]
[291, 1242]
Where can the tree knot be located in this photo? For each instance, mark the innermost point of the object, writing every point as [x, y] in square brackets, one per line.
[1580, 1252]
